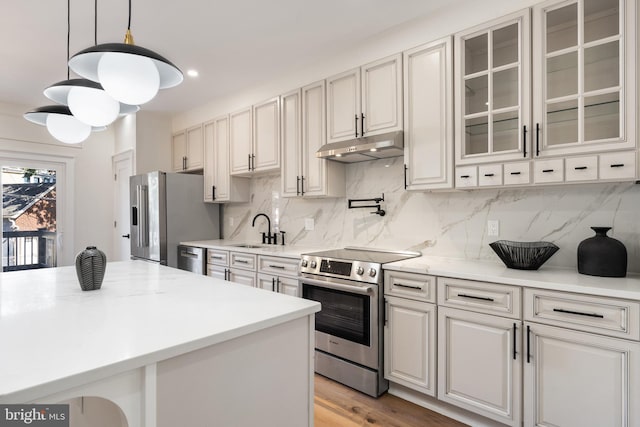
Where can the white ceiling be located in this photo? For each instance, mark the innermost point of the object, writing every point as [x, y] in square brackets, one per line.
[234, 44]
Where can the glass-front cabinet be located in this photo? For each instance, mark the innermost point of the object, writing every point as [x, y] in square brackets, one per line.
[493, 91]
[584, 79]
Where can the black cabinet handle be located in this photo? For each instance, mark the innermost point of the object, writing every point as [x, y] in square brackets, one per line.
[528, 344]
[386, 303]
[281, 267]
[253, 162]
[515, 173]
[524, 141]
[356, 125]
[489, 174]
[402, 285]
[184, 162]
[362, 125]
[242, 261]
[213, 192]
[273, 284]
[126, 236]
[514, 341]
[297, 185]
[617, 165]
[465, 176]
[278, 284]
[476, 297]
[547, 170]
[249, 161]
[580, 168]
[537, 139]
[302, 185]
[562, 310]
[405, 177]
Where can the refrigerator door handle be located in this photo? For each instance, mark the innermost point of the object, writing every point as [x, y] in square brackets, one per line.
[143, 211]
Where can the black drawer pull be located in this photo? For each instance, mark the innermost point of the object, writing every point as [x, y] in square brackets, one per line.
[465, 176]
[489, 174]
[528, 344]
[516, 173]
[242, 261]
[476, 297]
[281, 267]
[617, 165]
[402, 285]
[580, 168]
[547, 170]
[217, 257]
[515, 329]
[562, 310]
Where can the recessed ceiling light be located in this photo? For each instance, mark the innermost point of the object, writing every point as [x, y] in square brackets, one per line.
[192, 73]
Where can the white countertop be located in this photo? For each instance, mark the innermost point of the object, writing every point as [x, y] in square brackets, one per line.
[288, 251]
[545, 278]
[54, 335]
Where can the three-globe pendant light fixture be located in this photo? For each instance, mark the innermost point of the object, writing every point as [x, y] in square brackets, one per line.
[130, 76]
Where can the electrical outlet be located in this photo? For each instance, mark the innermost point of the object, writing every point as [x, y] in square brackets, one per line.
[493, 228]
[309, 224]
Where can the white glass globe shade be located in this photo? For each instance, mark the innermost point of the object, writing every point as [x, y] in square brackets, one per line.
[130, 79]
[67, 128]
[92, 106]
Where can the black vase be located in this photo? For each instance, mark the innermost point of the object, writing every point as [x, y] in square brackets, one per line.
[90, 267]
[602, 255]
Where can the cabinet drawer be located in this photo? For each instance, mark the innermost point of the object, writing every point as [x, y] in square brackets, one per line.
[489, 175]
[217, 257]
[483, 297]
[584, 168]
[517, 173]
[466, 177]
[219, 272]
[278, 265]
[607, 316]
[410, 285]
[547, 171]
[242, 260]
[618, 165]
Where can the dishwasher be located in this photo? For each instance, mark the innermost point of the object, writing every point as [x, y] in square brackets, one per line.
[191, 258]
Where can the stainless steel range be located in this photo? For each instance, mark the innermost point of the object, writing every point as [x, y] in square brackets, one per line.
[348, 284]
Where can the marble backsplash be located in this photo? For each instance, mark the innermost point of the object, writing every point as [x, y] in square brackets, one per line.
[452, 224]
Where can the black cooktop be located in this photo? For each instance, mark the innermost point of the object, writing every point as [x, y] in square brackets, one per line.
[379, 256]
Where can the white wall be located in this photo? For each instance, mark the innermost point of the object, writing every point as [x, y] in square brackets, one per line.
[448, 224]
[153, 142]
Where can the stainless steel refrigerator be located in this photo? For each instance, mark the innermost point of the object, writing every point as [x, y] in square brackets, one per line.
[166, 209]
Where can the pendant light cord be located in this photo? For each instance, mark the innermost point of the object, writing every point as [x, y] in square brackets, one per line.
[95, 23]
[68, 33]
[129, 23]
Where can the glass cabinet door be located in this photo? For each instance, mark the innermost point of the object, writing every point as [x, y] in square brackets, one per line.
[493, 79]
[580, 60]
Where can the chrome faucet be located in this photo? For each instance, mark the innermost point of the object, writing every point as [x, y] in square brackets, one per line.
[267, 237]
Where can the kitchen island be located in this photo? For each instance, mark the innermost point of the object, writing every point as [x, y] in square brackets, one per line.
[167, 346]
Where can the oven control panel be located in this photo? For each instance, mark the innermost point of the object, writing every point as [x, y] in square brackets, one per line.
[361, 271]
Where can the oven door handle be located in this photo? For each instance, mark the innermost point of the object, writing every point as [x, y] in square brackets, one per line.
[363, 290]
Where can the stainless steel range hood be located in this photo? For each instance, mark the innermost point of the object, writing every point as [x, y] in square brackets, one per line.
[363, 149]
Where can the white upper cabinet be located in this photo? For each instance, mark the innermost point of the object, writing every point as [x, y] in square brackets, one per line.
[219, 186]
[187, 149]
[254, 135]
[266, 136]
[240, 141]
[492, 85]
[428, 116]
[303, 124]
[365, 101]
[584, 76]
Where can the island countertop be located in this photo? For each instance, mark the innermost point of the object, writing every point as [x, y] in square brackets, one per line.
[54, 335]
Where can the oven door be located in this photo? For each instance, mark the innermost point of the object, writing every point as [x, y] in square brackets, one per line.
[347, 326]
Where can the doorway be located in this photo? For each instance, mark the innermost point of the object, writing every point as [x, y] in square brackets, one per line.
[37, 209]
[122, 170]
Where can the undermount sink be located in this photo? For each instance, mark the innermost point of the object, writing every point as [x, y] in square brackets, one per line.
[247, 245]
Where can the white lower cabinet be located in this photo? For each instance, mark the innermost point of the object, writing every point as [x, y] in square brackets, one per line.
[480, 363]
[577, 379]
[244, 277]
[278, 274]
[410, 342]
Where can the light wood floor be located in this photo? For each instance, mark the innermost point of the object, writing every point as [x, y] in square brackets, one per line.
[340, 406]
